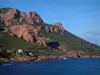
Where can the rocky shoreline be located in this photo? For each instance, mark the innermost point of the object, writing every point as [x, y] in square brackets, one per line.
[40, 58]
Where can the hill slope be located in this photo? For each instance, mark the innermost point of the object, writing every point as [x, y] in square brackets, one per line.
[29, 31]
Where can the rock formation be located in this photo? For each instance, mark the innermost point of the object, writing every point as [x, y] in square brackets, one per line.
[33, 18]
[21, 25]
[59, 25]
[43, 41]
[23, 31]
[14, 16]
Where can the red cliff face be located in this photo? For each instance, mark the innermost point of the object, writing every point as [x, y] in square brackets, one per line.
[18, 24]
[12, 13]
[23, 31]
[14, 16]
[10, 17]
[33, 18]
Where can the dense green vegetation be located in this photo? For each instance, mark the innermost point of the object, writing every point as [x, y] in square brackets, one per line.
[8, 42]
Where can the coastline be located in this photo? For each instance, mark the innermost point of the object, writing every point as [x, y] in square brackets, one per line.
[40, 58]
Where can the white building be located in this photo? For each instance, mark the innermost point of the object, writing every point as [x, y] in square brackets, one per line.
[20, 50]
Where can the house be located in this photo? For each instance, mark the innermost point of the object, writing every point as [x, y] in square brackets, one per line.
[20, 50]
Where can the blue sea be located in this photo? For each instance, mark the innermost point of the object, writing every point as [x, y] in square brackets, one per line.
[86, 66]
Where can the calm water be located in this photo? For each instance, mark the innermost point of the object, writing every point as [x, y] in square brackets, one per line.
[55, 67]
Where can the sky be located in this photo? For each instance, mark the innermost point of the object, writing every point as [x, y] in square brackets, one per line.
[80, 17]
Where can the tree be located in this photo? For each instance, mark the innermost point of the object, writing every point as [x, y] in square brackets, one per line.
[4, 46]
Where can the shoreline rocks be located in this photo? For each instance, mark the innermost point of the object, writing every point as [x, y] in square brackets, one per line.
[41, 58]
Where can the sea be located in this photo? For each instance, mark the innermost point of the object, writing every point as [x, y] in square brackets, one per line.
[71, 66]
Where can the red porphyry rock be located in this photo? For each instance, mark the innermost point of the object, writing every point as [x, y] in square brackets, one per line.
[10, 16]
[33, 18]
[22, 31]
[43, 41]
[59, 25]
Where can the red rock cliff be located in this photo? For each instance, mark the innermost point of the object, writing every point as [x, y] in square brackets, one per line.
[26, 26]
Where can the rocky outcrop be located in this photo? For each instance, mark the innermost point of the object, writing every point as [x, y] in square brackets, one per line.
[22, 31]
[59, 26]
[12, 13]
[36, 33]
[11, 16]
[28, 33]
[17, 23]
[33, 18]
[43, 41]
[49, 29]
[74, 54]
[14, 16]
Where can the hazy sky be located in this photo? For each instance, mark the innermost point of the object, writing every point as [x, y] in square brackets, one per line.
[80, 17]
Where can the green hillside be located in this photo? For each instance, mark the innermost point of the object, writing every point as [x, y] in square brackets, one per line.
[7, 41]
[72, 42]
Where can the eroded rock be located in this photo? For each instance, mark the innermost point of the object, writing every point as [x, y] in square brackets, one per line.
[59, 25]
[33, 18]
